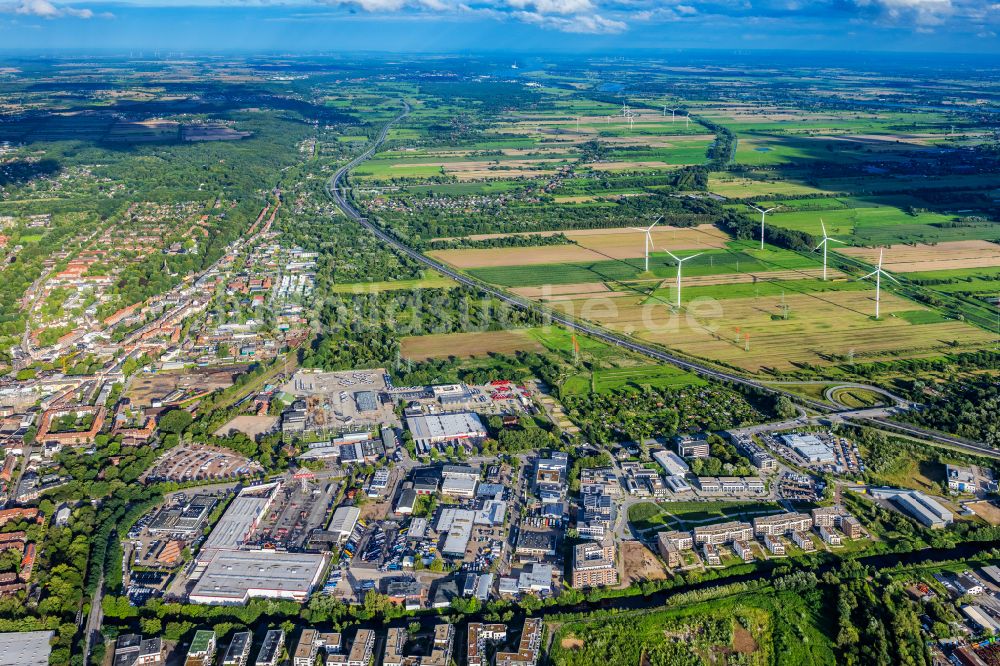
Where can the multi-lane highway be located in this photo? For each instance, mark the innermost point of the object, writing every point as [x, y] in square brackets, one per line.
[334, 188]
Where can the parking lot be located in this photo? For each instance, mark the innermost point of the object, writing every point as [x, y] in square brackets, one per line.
[197, 462]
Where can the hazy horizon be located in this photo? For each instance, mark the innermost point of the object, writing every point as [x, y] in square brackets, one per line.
[551, 26]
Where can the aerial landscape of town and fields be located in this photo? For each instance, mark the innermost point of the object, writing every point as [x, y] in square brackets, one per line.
[522, 333]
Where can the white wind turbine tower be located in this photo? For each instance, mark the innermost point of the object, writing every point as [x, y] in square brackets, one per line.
[823, 244]
[680, 264]
[763, 214]
[649, 238]
[878, 273]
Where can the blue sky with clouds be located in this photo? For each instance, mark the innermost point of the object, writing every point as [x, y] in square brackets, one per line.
[502, 25]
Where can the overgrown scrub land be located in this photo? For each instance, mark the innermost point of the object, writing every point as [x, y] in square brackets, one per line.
[779, 628]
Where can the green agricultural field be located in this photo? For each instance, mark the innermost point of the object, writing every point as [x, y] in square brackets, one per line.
[736, 187]
[919, 317]
[738, 257]
[558, 339]
[880, 225]
[461, 189]
[434, 281]
[762, 288]
[656, 376]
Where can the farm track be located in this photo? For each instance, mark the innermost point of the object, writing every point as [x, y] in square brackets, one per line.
[334, 189]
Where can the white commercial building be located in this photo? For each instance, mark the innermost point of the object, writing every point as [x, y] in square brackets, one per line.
[437, 428]
[811, 448]
[672, 463]
[457, 523]
[923, 508]
[343, 521]
[459, 487]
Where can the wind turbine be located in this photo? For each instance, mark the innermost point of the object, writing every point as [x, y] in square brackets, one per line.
[823, 244]
[878, 273]
[649, 237]
[763, 214]
[680, 264]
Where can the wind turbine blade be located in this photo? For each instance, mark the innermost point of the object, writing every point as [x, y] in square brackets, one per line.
[823, 226]
[674, 256]
[638, 229]
[655, 222]
[891, 278]
[692, 256]
[837, 241]
[821, 244]
[865, 277]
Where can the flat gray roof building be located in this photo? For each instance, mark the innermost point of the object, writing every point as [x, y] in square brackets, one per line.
[237, 576]
[239, 520]
[434, 428]
[25, 648]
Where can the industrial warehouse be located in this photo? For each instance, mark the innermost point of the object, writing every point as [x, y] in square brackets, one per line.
[236, 577]
[233, 566]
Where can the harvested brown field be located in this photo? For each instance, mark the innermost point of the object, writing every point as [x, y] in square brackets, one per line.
[595, 294]
[466, 345]
[249, 425]
[639, 564]
[589, 245]
[629, 166]
[987, 511]
[943, 256]
[822, 328]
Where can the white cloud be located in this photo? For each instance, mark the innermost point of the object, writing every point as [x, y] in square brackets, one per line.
[553, 6]
[564, 15]
[45, 9]
[584, 23]
[924, 12]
